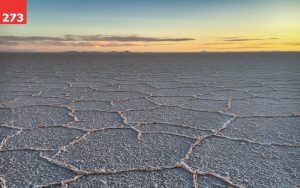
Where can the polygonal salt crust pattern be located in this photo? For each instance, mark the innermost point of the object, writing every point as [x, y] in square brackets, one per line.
[149, 120]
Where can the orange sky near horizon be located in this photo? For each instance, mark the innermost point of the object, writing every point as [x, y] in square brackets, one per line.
[156, 26]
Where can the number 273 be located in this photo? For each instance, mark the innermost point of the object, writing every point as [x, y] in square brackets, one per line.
[12, 16]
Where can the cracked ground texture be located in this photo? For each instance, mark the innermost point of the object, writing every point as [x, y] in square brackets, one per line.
[149, 120]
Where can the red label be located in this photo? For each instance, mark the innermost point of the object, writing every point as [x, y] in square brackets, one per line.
[13, 12]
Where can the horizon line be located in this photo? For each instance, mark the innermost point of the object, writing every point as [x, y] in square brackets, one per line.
[125, 51]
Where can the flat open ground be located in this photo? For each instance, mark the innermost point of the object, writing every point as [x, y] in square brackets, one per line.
[150, 120]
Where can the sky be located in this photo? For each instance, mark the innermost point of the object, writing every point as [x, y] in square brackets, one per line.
[156, 26]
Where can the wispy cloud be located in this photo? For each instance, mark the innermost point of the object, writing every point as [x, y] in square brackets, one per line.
[87, 40]
[293, 43]
[83, 44]
[241, 39]
[31, 38]
[132, 38]
[240, 47]
[217, 43]
[8, 43]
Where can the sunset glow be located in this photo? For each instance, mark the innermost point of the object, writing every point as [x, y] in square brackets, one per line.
[156, 26]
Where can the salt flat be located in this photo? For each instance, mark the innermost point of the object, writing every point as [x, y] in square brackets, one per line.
[149, 119]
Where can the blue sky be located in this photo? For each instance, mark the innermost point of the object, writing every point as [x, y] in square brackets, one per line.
[206, 21]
